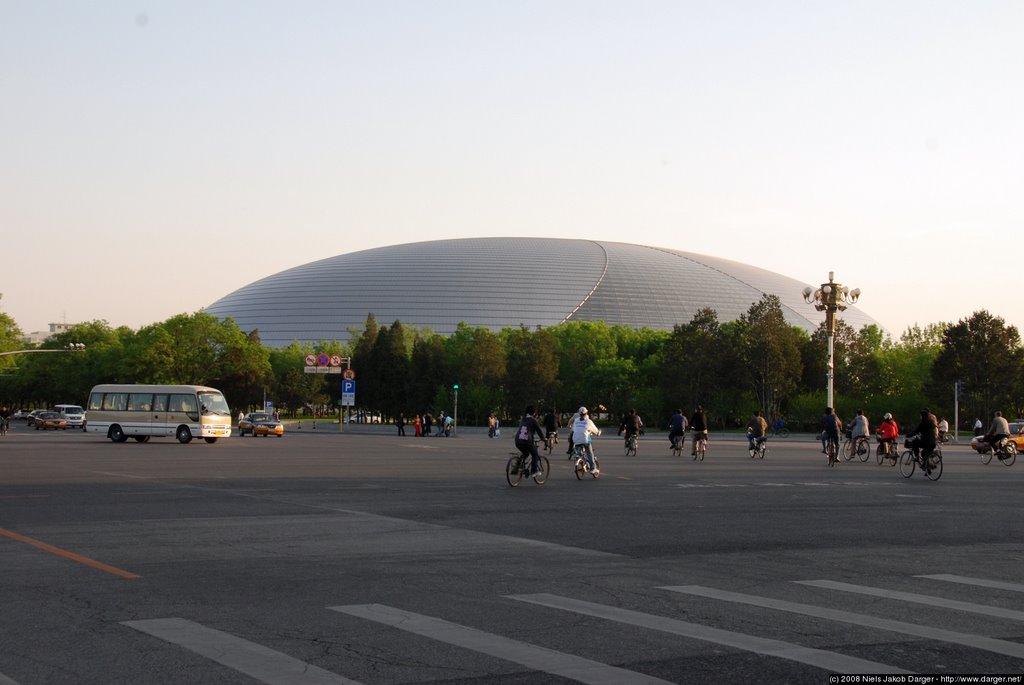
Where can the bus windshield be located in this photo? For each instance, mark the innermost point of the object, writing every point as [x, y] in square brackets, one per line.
[213, 403]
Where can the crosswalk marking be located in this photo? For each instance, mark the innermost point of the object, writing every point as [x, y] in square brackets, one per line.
[979, 582]
[531, 656]
[262, 663]
[4, 680]
[830, 661]
[970, 607]
[977, 641]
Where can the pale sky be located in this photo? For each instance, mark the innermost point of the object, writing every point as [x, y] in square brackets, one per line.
[155, 156]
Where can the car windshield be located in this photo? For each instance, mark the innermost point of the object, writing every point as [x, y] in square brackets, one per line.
[73, 410]
[259, 417]
[214, 403]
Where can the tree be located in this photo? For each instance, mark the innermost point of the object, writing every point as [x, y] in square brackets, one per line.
[428, 372]
[986, 355]
[531, 368]
[691, 360]
[390, 367]
[580, 344]
[768, 351]
[478, 364]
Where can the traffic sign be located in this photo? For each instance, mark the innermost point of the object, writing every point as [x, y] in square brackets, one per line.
[348, 374]
[335, 360]
[310, 360]
[323, 360]
[348, 393]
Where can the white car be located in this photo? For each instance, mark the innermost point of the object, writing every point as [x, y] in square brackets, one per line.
[73, 414]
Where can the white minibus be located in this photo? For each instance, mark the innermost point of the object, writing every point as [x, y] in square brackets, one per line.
[143, 411]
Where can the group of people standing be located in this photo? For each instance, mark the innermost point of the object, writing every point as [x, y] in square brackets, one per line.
[424, 424]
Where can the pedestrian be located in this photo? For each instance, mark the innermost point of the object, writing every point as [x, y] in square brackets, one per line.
[241, 415]
[400, 422]
[428, 421]
[979, 427]
[417, 425]
[490, 425]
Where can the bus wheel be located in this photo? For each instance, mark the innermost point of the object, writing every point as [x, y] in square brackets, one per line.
[210, 440]
[116, 434]
[184, 435]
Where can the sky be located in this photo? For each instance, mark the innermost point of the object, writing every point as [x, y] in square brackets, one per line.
[156, 156]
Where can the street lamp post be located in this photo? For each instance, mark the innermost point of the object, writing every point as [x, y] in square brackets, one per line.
[70, 347]
[831, 298]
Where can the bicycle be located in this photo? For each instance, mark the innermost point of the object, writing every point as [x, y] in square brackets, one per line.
[581, 467]
[677, 445]
[700, 445]
[550, 441]
[631, 443]
[780, 432]
[887, 451]
[932, 465]
[832, 450]
[856, 447]
[1005, 451]
[519, 465]
[760, 447]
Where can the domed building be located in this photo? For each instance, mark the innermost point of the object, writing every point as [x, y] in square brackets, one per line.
[501, 282]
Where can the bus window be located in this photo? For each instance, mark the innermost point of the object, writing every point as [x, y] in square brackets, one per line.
[184, 403]
[140, 401]
[95, 401]
[115, 401]
[159, 402]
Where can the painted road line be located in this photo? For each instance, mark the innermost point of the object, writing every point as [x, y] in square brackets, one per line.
[969, 607]
[92, 563]
[980, 582]
[259, 662]
[987, 644]
[522, 653]
[830, 661]
[4, 680]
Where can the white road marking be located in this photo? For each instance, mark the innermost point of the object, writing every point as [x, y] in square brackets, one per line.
[522, 653]
[4, 680]
[969, 607]
[976, 641]
[259, 662]
[980, 582]
[829, 661]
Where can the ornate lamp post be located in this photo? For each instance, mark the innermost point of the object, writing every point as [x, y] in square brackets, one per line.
[70, 347]
[831, 298]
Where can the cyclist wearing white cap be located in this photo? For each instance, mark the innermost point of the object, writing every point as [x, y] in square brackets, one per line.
[582, 429]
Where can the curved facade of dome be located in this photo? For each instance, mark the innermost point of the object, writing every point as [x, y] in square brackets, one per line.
[499, 282]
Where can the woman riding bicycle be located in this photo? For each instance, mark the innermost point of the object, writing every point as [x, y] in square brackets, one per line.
[699, 426]
[888, 433]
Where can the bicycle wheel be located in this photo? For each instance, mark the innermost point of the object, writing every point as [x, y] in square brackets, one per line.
[907, 463]
[986, 456]
[863, 449]
[1011, 454]
[545, 468]
[782, 433]
[702, 447]
[880, 454]
[848, 450]
[580, 468]
[832, 450]
[752, 451]
[934, 470]
[514, 471]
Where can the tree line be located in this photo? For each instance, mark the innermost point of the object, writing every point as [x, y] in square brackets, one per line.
[758, 362]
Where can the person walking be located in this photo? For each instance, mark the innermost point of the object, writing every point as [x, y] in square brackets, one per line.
[400, 422]
[417, 425]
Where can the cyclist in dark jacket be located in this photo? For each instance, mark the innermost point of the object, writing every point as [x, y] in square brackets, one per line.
[528, 427]
[699, 426]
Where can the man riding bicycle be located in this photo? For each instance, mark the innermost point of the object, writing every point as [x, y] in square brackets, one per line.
[859, 429]
[699, 426]
[997, 431]
[757, 429]
[582, 429]
[925, 437]
[676, 428]
[551, 425]
[631, 425]
[528, 427]
[830, 426]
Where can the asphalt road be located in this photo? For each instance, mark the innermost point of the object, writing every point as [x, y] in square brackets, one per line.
[364, 557]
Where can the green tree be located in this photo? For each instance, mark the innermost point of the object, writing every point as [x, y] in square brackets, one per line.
[580, 344]
[691, 361]
[531, 368]
[985, 354]
[428, 372]
[478, 364]
[768, 352]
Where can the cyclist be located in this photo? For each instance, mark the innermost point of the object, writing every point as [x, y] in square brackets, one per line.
[528, 427]
[859, 428]
[757, 429]
[830, 427]
[631, 425]
[699, 426]
[677, 428]
[943, 429]
[778, 424]
[582, 429]
[551, 425]
[5, 418]
[888, 433]
[998, 430]
[925, 437]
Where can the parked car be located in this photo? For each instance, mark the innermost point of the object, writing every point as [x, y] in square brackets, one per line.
[260, 423]
[21, 415]
[30, 419]
[46, 420]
